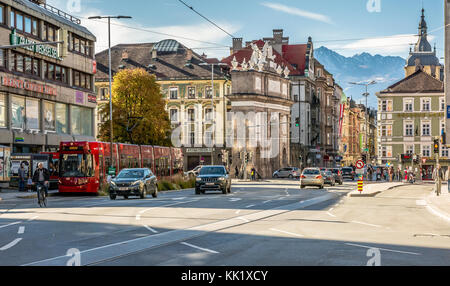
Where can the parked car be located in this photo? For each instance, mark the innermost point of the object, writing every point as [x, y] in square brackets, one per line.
[213, 178]
[348, 173]
[291, 172]
[328, 178]
[193, 173]
[312, 177]
[338, 175]
[133, 182]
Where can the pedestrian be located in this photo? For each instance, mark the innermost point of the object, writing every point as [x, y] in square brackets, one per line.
[23, 176]
[438, 177]
[236, 171]
[447, 177]
[391, 173]
[253, 174]
[42, 176]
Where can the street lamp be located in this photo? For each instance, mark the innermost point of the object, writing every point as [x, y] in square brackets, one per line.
[366, 95]
[110, 76]
[212, 101]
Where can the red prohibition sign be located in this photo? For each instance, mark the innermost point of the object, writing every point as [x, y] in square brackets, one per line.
[359, 164]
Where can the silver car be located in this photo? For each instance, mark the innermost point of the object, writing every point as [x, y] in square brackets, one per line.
[312, 177]
[291, 172]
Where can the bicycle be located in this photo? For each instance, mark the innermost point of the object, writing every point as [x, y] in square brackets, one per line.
[42, 198]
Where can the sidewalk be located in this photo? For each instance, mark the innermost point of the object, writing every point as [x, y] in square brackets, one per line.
[439, 206]
[371, 189]
[11, 194]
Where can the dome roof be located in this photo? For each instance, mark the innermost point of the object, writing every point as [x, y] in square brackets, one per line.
[426, 59]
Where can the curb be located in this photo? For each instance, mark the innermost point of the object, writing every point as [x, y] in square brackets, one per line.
[372, 194]
[431, 208]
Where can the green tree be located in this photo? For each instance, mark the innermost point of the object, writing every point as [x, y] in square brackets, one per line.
[139, 116]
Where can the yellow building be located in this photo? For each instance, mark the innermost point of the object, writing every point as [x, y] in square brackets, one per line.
[185, 80]
[424, 57]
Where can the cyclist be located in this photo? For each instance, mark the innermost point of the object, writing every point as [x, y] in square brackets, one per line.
[41, 177]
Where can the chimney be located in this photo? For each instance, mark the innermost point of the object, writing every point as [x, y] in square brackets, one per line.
[188, 54]
[237, 44]
[154, 54]
[278, 36]
[125, 55]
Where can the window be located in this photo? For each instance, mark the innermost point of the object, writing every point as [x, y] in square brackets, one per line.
[104, 94]
[409, 149]
[386, 151]
[191, 115]
[81, 120]
[81, 46]
[386, 130]
[25, 64]
[18, 62]
[28, 25]
[426, 151]
[426, 129]
[32, 114]
[82, 80]
[191, 92]
[50, 33]
[408, 105]
[34, 27]
[2, 109]
[444, 152]
[18, 112]
[208, 92]
[2, 58]
[174, 115]
[173, 92]
[209, 114]
[409, 129]
[61, 118]
[426, 104]
[442, 104]
[21, 22]
[386, 105]
[2, 11]
[49, 116]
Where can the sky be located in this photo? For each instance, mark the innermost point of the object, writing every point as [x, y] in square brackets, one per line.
[385, 27]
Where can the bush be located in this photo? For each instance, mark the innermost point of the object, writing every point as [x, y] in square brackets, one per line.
[177, 182]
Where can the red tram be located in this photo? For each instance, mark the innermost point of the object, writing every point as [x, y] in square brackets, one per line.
[84, 166]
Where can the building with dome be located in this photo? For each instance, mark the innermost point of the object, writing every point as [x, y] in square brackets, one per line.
[424, 56]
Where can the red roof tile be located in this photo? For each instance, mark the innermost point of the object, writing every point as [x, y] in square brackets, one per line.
[296, 55]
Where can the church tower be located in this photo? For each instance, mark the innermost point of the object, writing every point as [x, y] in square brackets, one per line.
[423, 57]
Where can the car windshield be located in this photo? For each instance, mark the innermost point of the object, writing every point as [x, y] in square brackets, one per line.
[328, 173]
[335, 171]
[131, 174]
[347, 169]
[311, 172]
[76, 165]
[212, 171]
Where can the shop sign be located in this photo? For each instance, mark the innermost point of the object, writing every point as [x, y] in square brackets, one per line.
[19, 139]
[79, 97]
[27, 85]
[41, 49]
[199, 150]
[92, 98]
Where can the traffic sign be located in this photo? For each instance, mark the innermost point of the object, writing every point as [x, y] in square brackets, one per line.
[359, 171]
[360, 186]
[360, 164]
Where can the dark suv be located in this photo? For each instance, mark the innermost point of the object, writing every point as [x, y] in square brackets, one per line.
[348, 173]
[133, 182]
[213, 178]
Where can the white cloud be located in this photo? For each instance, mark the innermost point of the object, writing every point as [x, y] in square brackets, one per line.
[297, 12]
[120, 34]
[396, 45]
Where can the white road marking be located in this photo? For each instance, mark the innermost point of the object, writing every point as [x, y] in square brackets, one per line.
[331, 209]
[330, 214]
[286, 232]
[151, 229]
[21, 230]
[14, 223]
[244, 219]
[238, 211]
[11, 244]
[33, 218]
[249, 206]
[390, 250]
[199, 248]
[235, 200]
[287, 193]
[267, 201]
[178, 199]
[421, 203]
[138, 217]
[368, 224]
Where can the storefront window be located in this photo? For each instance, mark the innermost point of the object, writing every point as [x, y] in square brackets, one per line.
[81, 120]
[2, 110]
[61, 118]
[32, 114]
[18, 112]
[49, 116]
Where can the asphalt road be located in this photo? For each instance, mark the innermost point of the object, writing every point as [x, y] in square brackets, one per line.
[259, 224]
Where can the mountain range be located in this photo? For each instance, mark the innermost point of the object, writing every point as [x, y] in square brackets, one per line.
[385, 70]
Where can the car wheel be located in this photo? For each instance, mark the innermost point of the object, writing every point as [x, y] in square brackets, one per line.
[229, 189]
[291, 177]
[302, 187]
[155, 192]
[197, 191]
[125, 197]
[112, 197]
[224, 191]
[143, 193]
[276, 176]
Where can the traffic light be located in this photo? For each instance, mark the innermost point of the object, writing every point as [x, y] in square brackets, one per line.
[436, 146]
[297, 122]
[246, 158]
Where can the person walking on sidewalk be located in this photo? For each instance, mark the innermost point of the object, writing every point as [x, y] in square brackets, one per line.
[438, 177]
[23, 176]
[447, 177]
